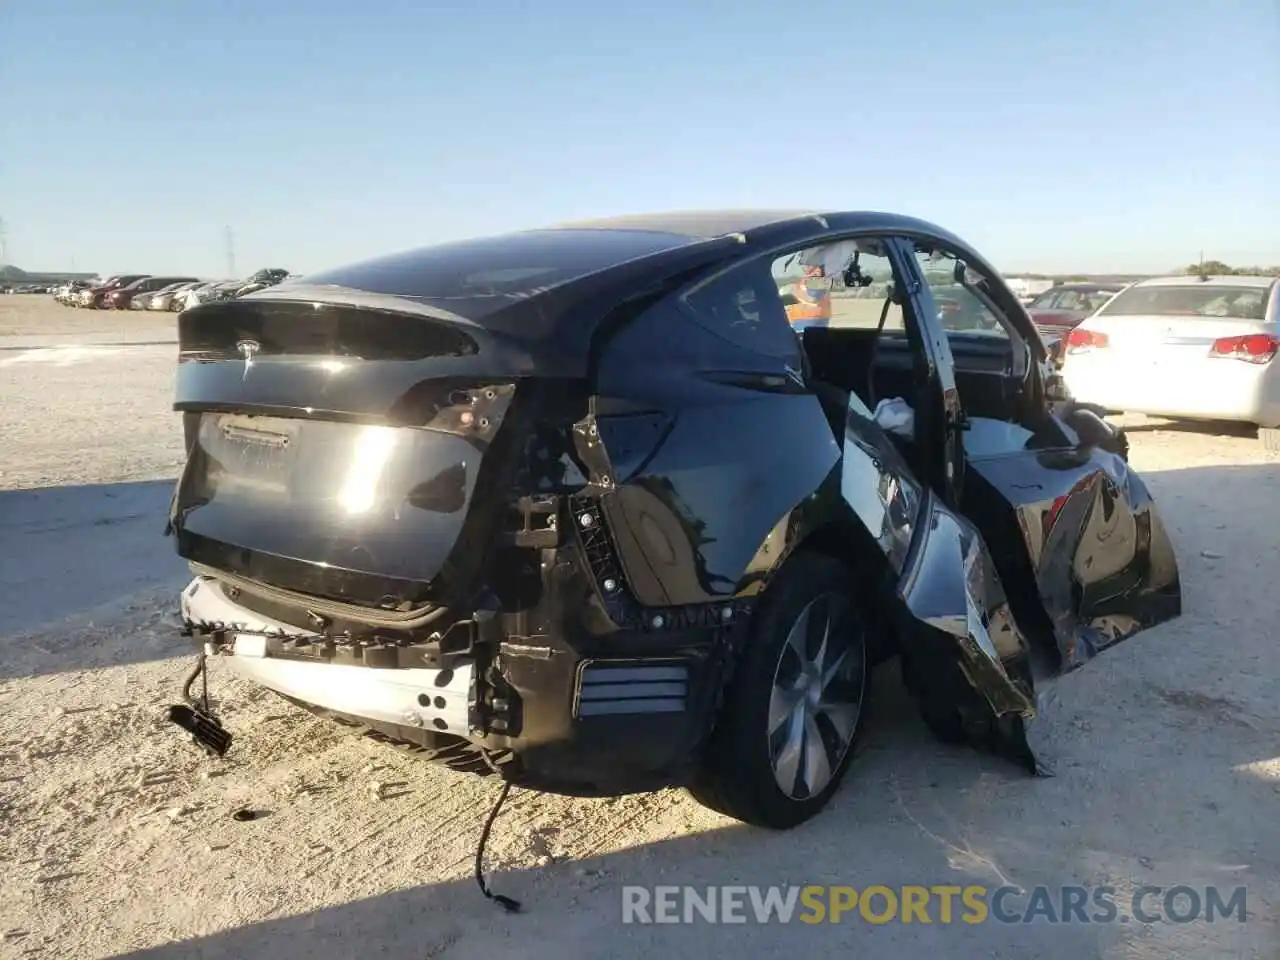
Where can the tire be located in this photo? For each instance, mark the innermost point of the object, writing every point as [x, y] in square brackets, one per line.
[1270, 438]
[943, 721]
[743, 767]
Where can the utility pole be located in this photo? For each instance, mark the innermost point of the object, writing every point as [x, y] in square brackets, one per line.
[231, 253]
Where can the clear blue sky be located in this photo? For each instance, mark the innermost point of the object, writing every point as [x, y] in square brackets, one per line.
[1122, 135]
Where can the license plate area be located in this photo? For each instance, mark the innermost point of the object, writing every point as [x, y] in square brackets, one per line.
[254, 452]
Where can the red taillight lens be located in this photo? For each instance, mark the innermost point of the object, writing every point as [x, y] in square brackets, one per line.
[1079, 339]
[1252, 348]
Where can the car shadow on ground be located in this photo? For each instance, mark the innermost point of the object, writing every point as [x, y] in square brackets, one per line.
[1207, 428]
[76, 556]
[1164, 752]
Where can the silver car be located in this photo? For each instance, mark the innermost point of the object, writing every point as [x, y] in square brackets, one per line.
[163, 299]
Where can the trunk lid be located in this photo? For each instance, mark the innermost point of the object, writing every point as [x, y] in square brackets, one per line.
[337, 451]
[1159, 338]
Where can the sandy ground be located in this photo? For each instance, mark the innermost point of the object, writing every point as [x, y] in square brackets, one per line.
[117, 839]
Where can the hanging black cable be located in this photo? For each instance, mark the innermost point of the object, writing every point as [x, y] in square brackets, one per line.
[508, 904]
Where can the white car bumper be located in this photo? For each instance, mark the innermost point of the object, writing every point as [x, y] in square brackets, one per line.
[1201, 388]
[438, 700]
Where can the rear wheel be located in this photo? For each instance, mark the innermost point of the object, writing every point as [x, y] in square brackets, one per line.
[793, 711]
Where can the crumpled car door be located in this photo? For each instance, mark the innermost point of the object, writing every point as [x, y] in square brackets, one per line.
[967, 655]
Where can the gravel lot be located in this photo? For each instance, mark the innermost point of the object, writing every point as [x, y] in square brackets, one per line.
[117, 838]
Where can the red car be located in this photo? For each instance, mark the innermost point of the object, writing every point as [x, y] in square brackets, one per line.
[95, 297]
[119, 298]
[1058, 310]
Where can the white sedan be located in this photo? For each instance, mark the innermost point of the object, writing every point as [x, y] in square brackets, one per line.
[1192, 347]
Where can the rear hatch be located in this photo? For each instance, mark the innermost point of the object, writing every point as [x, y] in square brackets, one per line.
[332, 450]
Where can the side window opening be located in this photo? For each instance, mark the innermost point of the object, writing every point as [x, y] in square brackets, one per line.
[857, 348]
[969, 312]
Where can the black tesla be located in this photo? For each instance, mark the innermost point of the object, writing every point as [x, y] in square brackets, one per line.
[577, 506]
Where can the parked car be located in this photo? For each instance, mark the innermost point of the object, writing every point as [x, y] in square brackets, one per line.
[209, 292]
[68, 293]
[1055, 312]
[95, 297]
[1198, 348]
[164, 299]
[577, 506]
[122, 297]
[261, 279]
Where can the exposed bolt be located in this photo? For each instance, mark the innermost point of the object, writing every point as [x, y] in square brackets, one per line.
[610, 585]
[551, 522]
[586, 520]
[412, 718]
[658, 622]
[726, 613]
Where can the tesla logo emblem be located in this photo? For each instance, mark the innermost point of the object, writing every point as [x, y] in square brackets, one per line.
[248, 349]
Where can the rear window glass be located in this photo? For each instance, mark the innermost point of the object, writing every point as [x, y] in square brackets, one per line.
[745, 307]
[1238, 303]
[474, 278]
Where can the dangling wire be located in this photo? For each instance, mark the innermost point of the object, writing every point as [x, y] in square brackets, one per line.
[204, 681]
[189, 682]
[508, 904]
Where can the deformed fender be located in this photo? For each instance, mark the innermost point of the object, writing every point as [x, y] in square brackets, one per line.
[698, 520]
[1091, 542]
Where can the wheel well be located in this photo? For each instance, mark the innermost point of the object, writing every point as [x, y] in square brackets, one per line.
[852, 545]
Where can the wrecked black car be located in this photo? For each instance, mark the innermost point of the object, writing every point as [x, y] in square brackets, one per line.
[579, 507]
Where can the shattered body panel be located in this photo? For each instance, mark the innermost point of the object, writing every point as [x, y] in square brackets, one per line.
[1102, 563]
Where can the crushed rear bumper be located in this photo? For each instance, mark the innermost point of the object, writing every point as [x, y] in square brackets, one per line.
[583, 722]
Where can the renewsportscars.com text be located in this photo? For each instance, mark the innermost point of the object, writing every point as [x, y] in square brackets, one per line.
[940, 903]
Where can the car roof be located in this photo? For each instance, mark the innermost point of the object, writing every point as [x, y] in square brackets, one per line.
[695, 224]
[1231, 280]
[559, 280]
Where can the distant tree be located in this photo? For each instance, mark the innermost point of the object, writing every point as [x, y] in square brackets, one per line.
[1209, 268]
[1216, 268]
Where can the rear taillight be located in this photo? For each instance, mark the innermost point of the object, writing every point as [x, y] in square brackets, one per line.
[1252, 348]
[1079, 339]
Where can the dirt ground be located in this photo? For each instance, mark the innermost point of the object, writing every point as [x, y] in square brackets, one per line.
[117, 838]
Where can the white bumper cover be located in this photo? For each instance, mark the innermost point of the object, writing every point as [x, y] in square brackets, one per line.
[437, 700]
